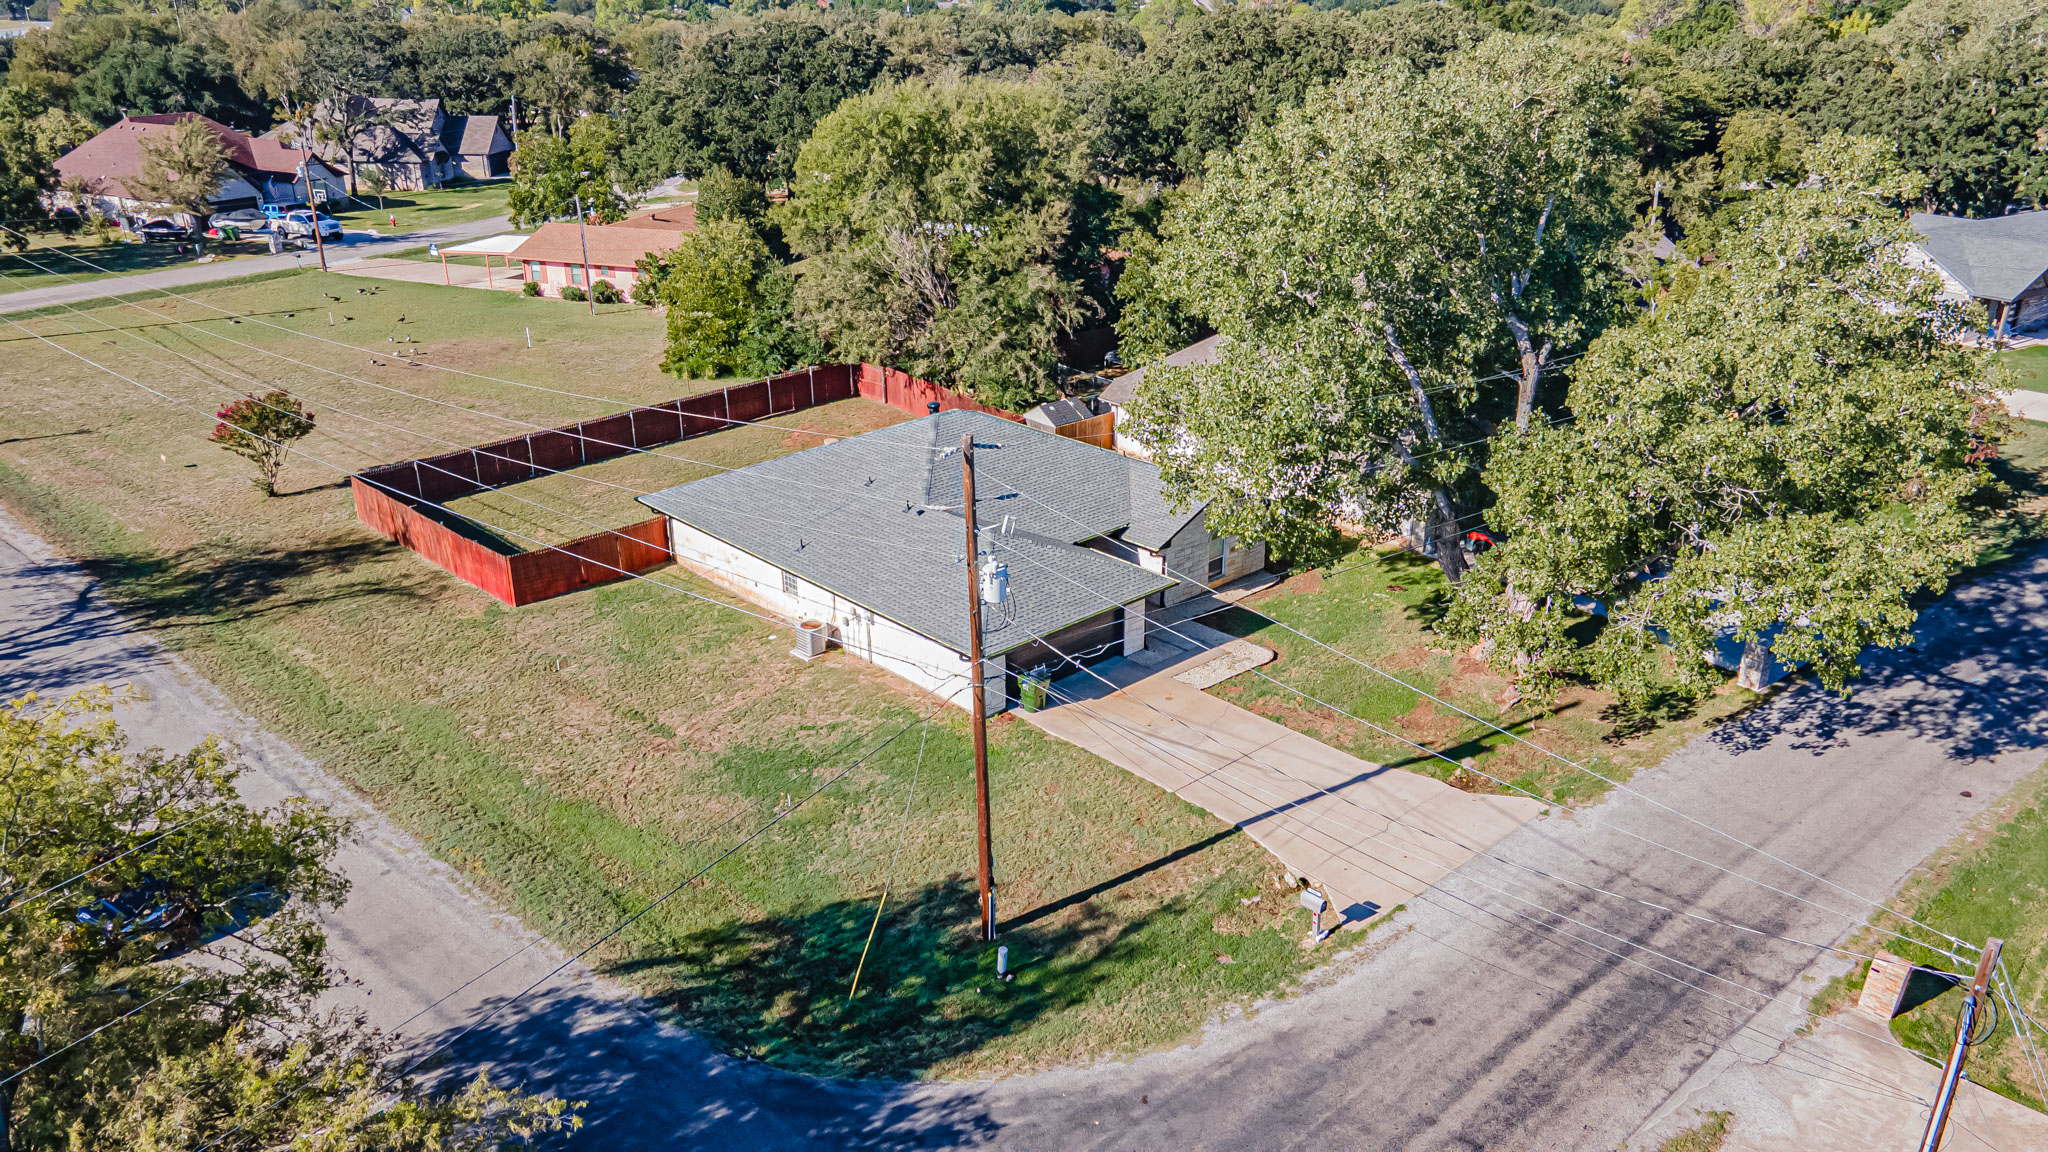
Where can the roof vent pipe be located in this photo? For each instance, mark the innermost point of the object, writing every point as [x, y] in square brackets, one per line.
[932, 407]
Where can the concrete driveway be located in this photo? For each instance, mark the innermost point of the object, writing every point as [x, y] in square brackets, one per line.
[1371, 836]
[1566, 996]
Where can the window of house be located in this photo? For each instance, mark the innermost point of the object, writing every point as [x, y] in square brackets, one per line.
[576, 274]
[788, 584]
[1219, 550]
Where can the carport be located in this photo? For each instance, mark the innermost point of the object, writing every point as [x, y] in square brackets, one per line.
[499, 246]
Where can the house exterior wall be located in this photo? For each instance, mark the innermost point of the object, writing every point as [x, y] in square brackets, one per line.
[556, 276]
[863, 635]
[1121, 442]
[482, 166]
[1186, 556]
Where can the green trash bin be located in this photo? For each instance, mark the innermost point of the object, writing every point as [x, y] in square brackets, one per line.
[1032, 690]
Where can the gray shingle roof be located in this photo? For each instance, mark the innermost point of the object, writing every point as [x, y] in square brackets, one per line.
[1124, 389]
[1994, 259]
[875, 519]
[474, 136]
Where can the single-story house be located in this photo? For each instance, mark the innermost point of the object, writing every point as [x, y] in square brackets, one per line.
[260, 170]
[401, 138]
[865, 536]
[2000, 262]
[1124, 389]
[560, 254]
[477, 146]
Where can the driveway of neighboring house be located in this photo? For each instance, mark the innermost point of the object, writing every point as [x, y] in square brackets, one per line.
[1370, 835]
[353, 247]
[434, 272]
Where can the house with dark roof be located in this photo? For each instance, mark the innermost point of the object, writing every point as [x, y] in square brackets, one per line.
[2000, 262]
[477, 147]
[1121, 391]
[560, 254]
[260, 171]
[402, 138]
[865, 537]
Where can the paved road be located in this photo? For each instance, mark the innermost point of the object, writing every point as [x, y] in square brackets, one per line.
[1476, 1021]
[355, 246]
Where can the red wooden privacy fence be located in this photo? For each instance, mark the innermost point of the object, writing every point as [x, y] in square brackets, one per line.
[403, 500]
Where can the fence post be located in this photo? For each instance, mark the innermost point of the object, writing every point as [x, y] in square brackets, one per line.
[812, 375]
[727, 393]
[419, 489]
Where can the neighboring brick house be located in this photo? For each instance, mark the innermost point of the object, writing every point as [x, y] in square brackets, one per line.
[2000, 262]
[558, 255]
[864, 535]
[260, 170]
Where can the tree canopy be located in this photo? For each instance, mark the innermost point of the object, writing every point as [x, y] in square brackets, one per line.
[1364, 259]
[937, 218]
[1783, 453]
[141, 888]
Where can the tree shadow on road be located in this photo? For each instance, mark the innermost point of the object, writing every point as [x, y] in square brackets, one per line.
[1974, 682]
[650, 1088]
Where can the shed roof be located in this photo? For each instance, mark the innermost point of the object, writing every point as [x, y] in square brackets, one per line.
[1994, 259]
[1124, 389]
[610, 245]
[1060, 413]
[876, 520]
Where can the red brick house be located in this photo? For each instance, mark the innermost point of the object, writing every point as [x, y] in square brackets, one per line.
[560, 254]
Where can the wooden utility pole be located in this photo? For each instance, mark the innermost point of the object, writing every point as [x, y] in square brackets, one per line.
[1952, 1072]
[984, 855]
[587, 282]
[313, 210]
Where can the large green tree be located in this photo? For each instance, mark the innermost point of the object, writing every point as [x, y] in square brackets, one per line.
[1365, 258]
[1782, 453]
[139, 888]
[550, 172]
[747, 96]
[938, 219]
[460, 60]
[728, 304]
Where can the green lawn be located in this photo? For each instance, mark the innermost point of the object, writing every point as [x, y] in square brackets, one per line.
[1376, 605]
[432, 208]
[578, 757]
[2027, 367]
[49, 260]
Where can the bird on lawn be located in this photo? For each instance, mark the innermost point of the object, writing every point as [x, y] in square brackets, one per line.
[336, 299]
[401, 317]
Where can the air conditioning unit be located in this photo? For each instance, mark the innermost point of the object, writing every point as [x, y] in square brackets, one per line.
[811, 637]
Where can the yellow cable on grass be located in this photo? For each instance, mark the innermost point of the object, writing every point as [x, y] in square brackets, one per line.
[890, 879]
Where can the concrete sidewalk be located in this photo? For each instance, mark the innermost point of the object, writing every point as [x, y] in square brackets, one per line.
[1843, 1090]
[1372, 836]
[2026, 405]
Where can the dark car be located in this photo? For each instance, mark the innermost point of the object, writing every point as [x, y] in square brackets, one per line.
[163, 231]
[172, 921]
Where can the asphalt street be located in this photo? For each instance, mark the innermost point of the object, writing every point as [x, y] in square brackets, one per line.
[1569, 990]
[354, 246]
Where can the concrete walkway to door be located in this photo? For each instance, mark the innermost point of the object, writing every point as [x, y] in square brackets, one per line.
[1370, 835]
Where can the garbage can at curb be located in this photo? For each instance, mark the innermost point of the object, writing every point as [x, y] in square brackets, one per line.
[1032, 691]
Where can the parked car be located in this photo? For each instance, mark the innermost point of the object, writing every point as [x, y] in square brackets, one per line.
[172, 921]
[163, 231]
[300, 223]
[247, 219]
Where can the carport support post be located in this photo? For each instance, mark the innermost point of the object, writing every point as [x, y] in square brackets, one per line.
[984, 855]
[1952, 1072]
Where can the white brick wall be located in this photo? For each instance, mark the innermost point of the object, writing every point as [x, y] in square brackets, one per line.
[863, 635]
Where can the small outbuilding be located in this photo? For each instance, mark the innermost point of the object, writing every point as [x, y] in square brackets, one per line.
[865, 537]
